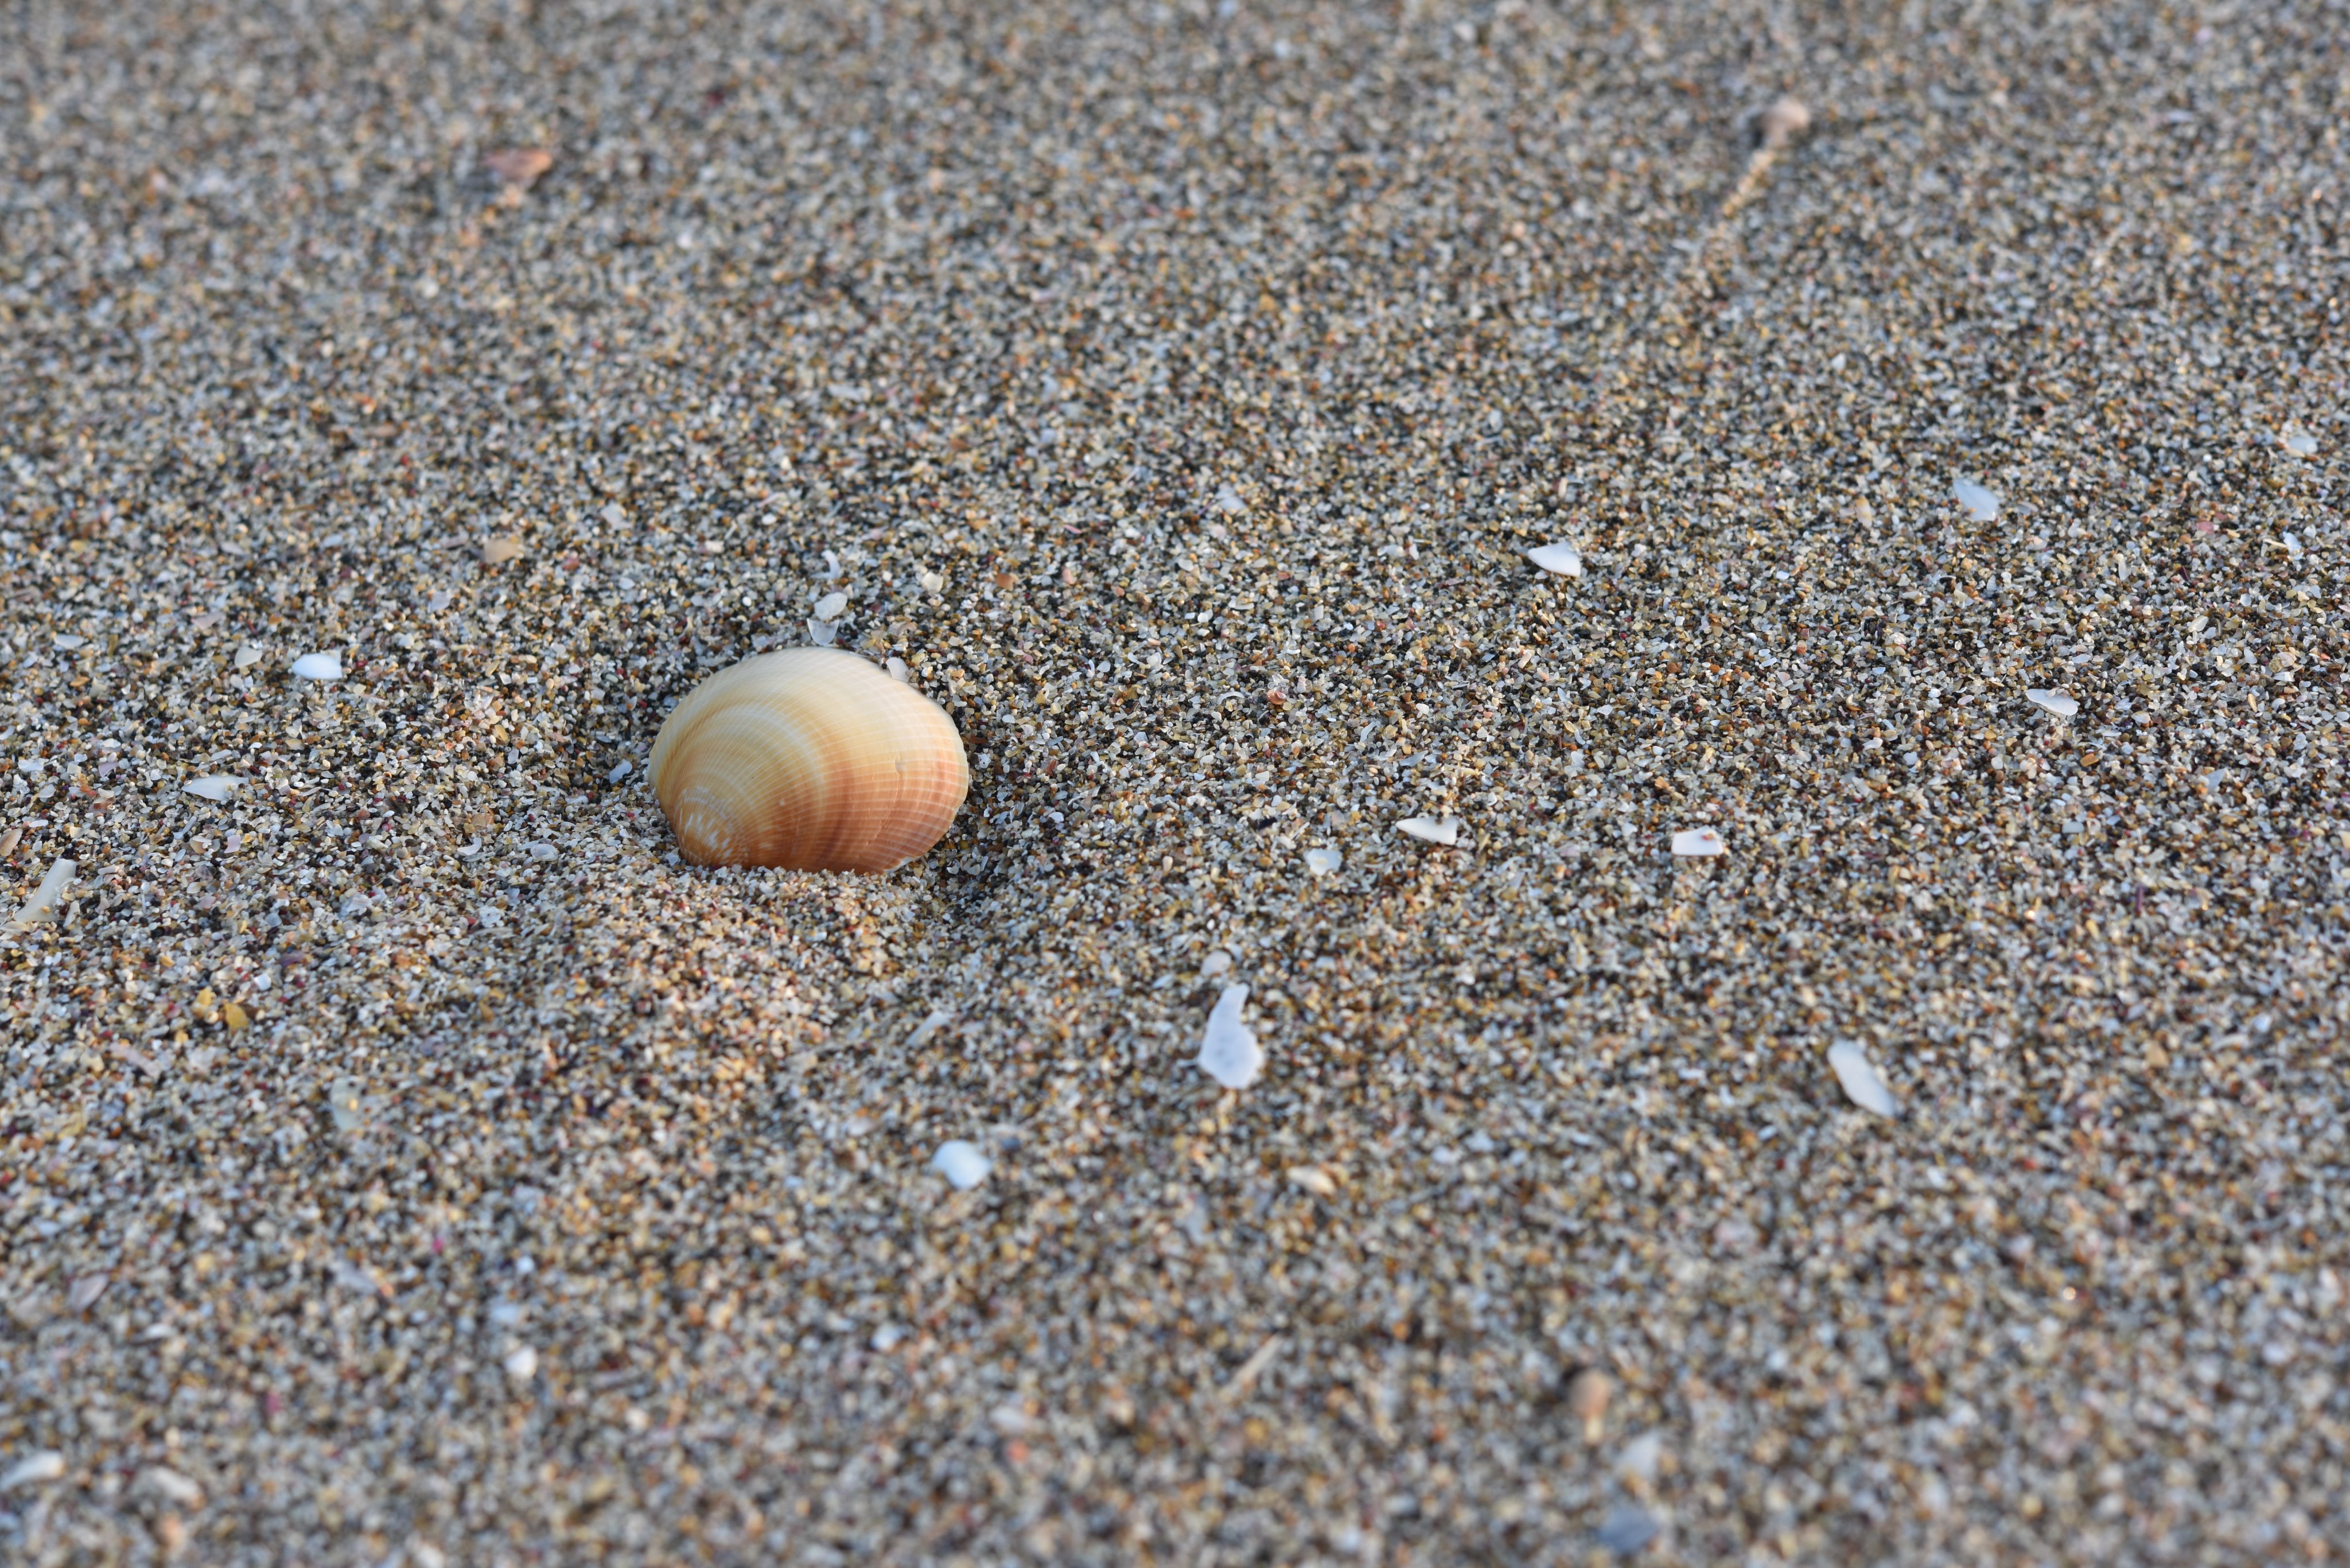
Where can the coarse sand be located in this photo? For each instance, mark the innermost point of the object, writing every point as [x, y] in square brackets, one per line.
[405, 1160]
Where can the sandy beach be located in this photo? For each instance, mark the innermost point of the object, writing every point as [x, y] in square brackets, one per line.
[406, 1159]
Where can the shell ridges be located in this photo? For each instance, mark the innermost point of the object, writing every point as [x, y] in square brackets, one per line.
[809, 760]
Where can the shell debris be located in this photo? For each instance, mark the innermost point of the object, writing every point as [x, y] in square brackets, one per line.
[1862, 1084]
[1560, 559]
[41, 906]
[1981, 504]
[1699, 843]
[1229, 1052]
[40, 1465]
[319, 667]
[961, 1163]
[1443, 830]
[2052, 701]
[212, 786]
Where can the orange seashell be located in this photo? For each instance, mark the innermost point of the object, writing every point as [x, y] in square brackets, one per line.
[809, 760]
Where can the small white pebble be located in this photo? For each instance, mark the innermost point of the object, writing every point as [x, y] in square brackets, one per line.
[1214, 964]
[540, 850]
[896, 668]
[42, 1465]
[1698, 841]
[212, 786]
[1229, 501]
[962, 1164]
[933, 582]
[522, 1364]
[1431, 829]
[2291, 545]
[67, 641]
[319, 667]
[829, 606]
[821, 632]
[1862, 1082]
[1562, 559]
[1229, 1052]
[619, 771]
[1314, 1180]
[2301, 444]
[2052, 701]
[1981, 504]
[248, 656]
[1323, 862]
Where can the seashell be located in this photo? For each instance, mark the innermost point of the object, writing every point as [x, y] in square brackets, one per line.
[808, 760]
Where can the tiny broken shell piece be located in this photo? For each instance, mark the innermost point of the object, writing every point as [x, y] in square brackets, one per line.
[497, 551]
[319, 667]
[41, 907]
[807, 759]
[1785, 121]
[1698, 841]
[961, 1163]
[520, 166]
[1863, 1084]
[1431, 829]
[212, 786]
[1981, 504]
[1561, 559]
[2052, 702]
[1229, 1052]
[1587, 1393]
[1323, 862]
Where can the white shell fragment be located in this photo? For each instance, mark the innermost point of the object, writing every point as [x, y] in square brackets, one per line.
[2052, 701]
[1229, 1052]
[42, 1465]
[248, 656]
[41, 907]
[1431, 829]
[1323, 862]
[1785, 121]
[522, 1364]
[962, 1164]
[1314, 1180]
[171, 1486]
[1862, 1082]
[212, 786]
[1698, 841]
[829, 606]
[1981, 504]
[808, 760]
[2301, 444]
[1562, 559]
[619, 771]
[319, 667]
